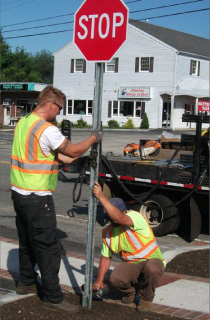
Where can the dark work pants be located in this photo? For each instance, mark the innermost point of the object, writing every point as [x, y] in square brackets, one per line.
[142, 278]
[38, 243]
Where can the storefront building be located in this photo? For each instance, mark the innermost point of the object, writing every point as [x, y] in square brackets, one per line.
[17, 100]
[160, 71]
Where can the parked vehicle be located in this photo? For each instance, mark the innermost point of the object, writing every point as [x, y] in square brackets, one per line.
[171, 188]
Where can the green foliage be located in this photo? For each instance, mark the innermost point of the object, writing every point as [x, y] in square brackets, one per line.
[81, 123]
[129, 124]
[21, 66]
[145, 122]
[113, 124]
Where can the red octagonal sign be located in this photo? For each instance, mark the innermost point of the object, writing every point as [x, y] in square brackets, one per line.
[100, 28]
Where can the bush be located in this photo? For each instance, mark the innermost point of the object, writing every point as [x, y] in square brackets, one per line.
[129, 124]
[81, 123]
[113, 124]
[145, 122]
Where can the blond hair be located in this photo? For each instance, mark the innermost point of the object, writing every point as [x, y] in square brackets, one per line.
[50, 93]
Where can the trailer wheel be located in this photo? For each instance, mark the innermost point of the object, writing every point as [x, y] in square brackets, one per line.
[161, 220]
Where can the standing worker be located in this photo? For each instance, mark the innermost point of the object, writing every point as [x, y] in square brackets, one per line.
[142, 263]
[38, 145]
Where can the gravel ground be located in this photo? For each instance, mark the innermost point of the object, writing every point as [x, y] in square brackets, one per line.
[194, 263]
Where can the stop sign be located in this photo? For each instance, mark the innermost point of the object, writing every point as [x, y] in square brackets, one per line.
[100, 28]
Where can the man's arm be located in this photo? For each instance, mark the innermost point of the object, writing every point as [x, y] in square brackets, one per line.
[69, 149]
[103, 268]
[115, 214]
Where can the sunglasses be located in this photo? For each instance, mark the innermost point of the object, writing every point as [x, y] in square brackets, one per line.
[60, 107]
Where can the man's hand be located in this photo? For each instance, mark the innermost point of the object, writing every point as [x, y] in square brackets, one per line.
[97, 190]
[98, 134]
[97, 285]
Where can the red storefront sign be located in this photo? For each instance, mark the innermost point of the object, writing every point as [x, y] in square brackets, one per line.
[203, 106]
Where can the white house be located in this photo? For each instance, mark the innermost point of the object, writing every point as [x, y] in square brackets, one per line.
[160, 71]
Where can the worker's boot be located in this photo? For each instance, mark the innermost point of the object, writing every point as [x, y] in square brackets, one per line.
[63, 306]
[128, 299]
[144, 306]
[21, 289]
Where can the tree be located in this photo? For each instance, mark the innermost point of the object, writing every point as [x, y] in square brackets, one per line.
[21, 66]
[145, 122]
[43, 61]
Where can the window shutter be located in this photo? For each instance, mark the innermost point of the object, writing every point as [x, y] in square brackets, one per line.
[64, 108]
[142, 109]
[116, 64]
[109, 109]
[151, 63]
[104, 67]
[84, 66]
[199, 66]
[191, 66]
[137, 65]
[72, 66]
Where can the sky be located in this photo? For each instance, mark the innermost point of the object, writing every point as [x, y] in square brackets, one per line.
[21, 14]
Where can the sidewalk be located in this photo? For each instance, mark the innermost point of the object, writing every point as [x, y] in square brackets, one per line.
[178, 295]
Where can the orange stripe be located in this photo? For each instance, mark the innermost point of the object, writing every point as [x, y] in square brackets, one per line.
[37, 136]
[104, 237]
[149, 254]
[142, 249]
[35, 162]
[110, 235]
[129, 240]
[28, 137]
[35, 171]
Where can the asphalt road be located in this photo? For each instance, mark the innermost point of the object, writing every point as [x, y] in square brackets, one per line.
[72, 217]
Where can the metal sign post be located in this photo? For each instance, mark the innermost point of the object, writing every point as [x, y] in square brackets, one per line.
[92, 206]
[100, 28]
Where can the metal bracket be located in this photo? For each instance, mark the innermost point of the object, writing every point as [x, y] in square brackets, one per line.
[92, 159]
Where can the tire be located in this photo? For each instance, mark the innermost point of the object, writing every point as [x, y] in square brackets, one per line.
[161, 220]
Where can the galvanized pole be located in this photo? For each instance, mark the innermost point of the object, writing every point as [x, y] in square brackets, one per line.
[92, 206]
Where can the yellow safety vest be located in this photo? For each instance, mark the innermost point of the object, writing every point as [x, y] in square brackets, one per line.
[133, 245]
[31, 169]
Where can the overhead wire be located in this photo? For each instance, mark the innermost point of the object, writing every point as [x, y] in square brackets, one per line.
[68, 22]
[70, 14]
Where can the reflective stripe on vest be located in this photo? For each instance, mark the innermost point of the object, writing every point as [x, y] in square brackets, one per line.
[30, 147]
[34, 166]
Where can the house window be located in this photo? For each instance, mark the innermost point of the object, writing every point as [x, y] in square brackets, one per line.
[90, 107]
[82, 107]
[143, 64]
[78, 65]
[69, 111]
[195, 67]
[130, 109]
[112, 66]
[79, 106]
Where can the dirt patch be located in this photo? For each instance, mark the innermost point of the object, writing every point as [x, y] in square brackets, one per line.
[194, 263]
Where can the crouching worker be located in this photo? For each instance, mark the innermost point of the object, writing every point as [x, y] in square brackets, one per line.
[142, 263]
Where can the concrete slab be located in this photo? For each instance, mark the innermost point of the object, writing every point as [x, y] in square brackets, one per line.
[186, 294]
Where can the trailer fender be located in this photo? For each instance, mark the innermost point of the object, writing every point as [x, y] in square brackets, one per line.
[195, 219]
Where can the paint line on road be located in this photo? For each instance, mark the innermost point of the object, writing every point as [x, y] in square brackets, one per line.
[5, 162]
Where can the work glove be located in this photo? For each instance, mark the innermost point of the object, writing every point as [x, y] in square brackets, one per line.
[98, 134]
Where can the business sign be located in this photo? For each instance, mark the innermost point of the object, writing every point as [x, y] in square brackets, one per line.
[203, 106]
[100, 28]
[14, 86]
[134, 92]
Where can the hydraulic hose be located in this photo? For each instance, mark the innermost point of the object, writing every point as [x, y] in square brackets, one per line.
[140, 199]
